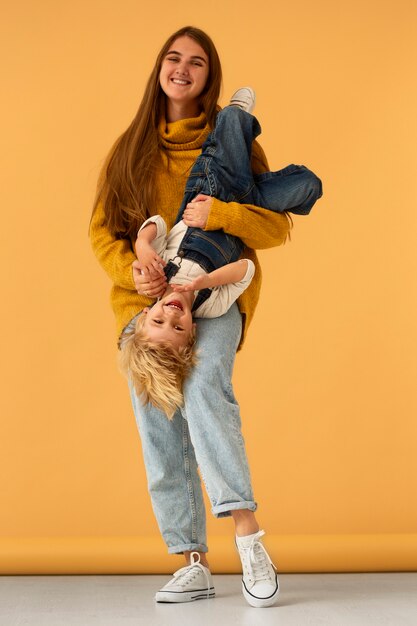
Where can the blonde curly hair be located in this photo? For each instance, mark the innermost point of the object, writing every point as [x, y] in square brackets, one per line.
[156, 370]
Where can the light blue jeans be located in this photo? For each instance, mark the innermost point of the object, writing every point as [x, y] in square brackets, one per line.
[205, 433]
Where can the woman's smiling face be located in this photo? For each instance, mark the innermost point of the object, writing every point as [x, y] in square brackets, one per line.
[184, 71]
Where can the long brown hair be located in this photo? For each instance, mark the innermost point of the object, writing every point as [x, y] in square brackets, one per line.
[126, 183]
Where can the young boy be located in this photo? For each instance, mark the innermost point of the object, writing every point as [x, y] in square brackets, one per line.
[203, 268]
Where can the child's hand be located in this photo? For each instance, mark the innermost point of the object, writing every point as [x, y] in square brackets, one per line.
[148, 259]
[196, 212]
[201, 282]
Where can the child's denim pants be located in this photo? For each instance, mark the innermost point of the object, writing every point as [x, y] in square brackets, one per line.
[223, 170]
[205, 433]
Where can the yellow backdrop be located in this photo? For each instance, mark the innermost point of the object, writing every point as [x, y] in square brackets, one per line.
[327, 379]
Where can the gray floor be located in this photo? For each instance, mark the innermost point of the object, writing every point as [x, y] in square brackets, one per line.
[305, 600]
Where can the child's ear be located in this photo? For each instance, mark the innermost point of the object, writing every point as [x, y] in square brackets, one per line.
[146, 310]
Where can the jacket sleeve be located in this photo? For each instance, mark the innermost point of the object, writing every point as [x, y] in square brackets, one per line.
[114, 255]
[257, 227]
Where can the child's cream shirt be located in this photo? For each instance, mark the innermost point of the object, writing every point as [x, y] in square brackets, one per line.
[167, 244]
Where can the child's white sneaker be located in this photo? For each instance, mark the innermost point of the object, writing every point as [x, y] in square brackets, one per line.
[260, 584]
[244, 98]
[192, 582]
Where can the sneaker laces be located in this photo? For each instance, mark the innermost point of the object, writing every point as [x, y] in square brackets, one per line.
[187, 574]
[258, 560]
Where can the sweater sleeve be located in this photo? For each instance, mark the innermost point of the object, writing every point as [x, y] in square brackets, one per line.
[257, 227]
[114, 255]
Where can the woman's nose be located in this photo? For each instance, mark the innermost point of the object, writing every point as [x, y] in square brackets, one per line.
[182, 69]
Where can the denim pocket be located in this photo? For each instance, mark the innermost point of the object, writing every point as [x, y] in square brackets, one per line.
[216, 245]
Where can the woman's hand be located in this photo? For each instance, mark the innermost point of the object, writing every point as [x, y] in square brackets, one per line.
[196, 212]
[148, 259]
[148, 283]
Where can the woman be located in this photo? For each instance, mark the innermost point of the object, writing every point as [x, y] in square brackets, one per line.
[145, 175]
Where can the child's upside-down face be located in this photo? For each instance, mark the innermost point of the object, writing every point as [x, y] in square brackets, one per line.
[169, 320]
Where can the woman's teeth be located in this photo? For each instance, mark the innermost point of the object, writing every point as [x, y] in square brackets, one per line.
[180, 82]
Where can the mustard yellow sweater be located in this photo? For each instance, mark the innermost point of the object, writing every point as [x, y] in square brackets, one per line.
[257, 227]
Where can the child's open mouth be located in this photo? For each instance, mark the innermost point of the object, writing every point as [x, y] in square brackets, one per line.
[175, 304]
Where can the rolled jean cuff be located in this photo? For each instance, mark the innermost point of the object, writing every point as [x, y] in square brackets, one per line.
[224, 510]
[200, 547]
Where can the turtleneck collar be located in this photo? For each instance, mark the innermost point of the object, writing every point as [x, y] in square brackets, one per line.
[187, 134]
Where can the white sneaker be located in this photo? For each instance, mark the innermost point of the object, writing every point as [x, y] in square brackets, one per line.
[244, 98]
[192, 582]
[260, 584]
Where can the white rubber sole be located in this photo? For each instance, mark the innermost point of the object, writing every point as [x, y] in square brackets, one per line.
[246, 107]
[184, 596]
[260, 602]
